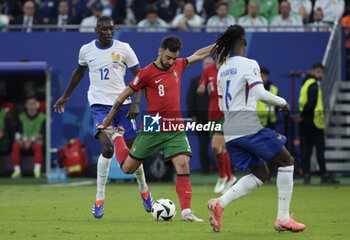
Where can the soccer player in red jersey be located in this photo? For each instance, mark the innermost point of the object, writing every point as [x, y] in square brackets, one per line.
[222, 158]
[161, 82]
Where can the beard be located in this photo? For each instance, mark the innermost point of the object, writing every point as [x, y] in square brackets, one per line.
[166, 66]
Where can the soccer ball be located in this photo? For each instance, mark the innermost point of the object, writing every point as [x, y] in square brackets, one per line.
[163, 210]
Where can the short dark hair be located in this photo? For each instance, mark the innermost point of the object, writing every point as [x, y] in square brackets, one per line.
[102, 19]
[152, 11]
[264, 70]
[29, 96]
[173, 43]
[219, 4]
[317, 65]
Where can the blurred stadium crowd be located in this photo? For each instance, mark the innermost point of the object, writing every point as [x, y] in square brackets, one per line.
[160, 15]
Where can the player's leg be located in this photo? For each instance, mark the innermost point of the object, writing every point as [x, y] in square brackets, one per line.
[129, 136]
[183, 187]
[98, 113]
[231, 179]
[217, 146]
[15, 154]
[38, 158]
[285, 163]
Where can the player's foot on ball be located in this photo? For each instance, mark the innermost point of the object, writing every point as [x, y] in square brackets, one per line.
[215, 214]
[229, 183]
[109, 131]
[292, 225]
[97, 209]
[16, 174]
[147, 200]
[191, 217]
[220, 184]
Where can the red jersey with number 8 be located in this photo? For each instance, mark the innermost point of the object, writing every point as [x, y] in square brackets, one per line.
[162, 90]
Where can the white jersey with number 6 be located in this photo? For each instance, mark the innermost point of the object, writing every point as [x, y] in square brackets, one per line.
[107, 67]
[235, 79]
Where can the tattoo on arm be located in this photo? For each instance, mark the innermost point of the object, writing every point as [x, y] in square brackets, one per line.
[117, 105]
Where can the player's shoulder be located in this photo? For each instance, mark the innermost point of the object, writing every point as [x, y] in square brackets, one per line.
[88, 46]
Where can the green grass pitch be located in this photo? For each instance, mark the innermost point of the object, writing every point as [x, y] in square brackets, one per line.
[29, 210]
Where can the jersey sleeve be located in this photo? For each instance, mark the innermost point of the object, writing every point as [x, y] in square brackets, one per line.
[252, 74]
[82, 58]
[139, 81]
[183, 63]
[131, 59]
[204, 78]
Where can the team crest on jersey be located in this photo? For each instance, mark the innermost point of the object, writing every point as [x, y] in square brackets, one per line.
[256, 72]
[115, 56]
[136, 81]
[175, 74]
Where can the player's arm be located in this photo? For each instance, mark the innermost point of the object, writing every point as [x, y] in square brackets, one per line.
[77, 75]
[199, 55]
[134, 109]
[201, 89]
[128, 91]
[266, 97]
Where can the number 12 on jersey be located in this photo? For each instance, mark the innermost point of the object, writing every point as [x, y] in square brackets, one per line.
[228, 96]
[104, 73]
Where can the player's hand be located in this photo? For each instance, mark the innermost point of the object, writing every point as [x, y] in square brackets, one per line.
[297, 118]
[59, 106]
[285, 110]
[133, 111]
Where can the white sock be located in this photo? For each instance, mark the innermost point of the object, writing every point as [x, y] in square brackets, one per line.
[17, 168]
[37, 167]
[285, 190]
[186, 211]
[141, 179]
[102, 176]
[244, 186]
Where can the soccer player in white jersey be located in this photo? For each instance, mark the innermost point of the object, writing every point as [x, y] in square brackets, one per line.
[107, 60]
[249, 144]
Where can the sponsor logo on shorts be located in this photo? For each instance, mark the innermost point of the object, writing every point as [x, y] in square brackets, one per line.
[134, 149]
[279, 137]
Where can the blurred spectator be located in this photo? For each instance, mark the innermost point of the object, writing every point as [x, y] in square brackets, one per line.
[167, 9]
[346, 22]
[12, 8]
[332, 9]
[236, 8]
[318, 24]
[63, 18]
[152, 23]
[253, 21]
[107, 8]
[29, 135]
[4, 19]
[46, 9]
[88, 24]
[204, 8]
[197, 106]
[77, 9]
[286, 19]
[302, 8]
[268, 8]
[5, 133]
[122, 13]
[188, 19]
[28, 19]
[221, 20]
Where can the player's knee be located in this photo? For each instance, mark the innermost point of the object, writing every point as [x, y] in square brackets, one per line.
[217, 149]
[182, 167]
[128, 169]
[107, 151]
